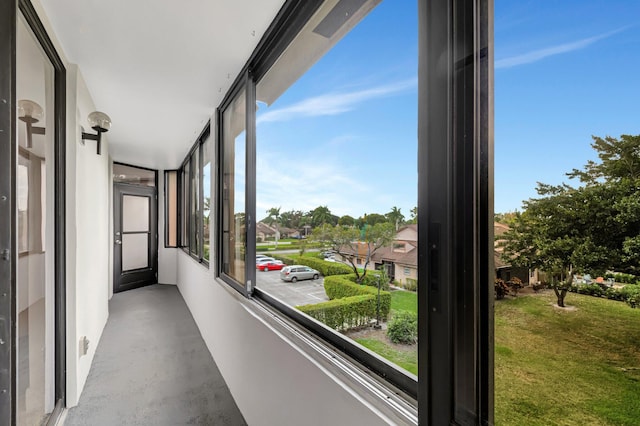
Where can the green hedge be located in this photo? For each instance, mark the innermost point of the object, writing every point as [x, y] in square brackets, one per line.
[288, 259]
[341, 314]
[351, 304]
[623, 278]
[629, 293]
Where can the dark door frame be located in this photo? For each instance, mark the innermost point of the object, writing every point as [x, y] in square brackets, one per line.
[148, 275]
[9, 11]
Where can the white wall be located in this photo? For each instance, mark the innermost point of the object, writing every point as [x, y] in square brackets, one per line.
[272, 382]
[88, 236]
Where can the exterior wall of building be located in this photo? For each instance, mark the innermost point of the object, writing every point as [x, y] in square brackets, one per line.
[401, 274]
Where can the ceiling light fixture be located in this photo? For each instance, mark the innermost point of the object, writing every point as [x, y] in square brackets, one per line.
[101, 123]
[30, 113]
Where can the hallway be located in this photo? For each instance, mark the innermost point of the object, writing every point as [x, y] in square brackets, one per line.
[153, 368]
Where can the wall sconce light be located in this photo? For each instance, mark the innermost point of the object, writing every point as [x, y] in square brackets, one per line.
[101, 123]
[30, 113]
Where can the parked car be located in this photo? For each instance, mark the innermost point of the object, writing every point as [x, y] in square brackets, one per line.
[263, 260]
[328, 253]
[294, 273]
[274, 265]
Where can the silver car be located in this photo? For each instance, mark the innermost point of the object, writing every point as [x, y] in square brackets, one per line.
[294, 273]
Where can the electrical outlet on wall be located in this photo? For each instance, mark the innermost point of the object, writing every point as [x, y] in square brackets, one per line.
[84, 345]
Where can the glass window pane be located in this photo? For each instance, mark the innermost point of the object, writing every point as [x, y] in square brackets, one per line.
[194, 213]
[233, 189]
[206, 196]
[133, 175]
[336, 167]
[135, 251]
[567, 252]
[135, 213]
[171, 202]
[185, 205]
[35, 199]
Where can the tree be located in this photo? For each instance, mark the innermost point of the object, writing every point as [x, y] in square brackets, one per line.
[352, 244]
[346, 220]
[395, 217]
[591, 228]
[291, 219]
[321, 215]
[619, 159]
[272, 219]
[414, 216]
[374, 219]
[542, 237]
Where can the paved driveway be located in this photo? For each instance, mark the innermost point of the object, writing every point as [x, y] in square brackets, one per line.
[299, 293]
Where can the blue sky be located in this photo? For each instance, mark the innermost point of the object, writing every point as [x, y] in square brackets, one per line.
[344, 135]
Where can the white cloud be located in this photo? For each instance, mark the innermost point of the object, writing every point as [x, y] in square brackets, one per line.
[333, 103]
[305, 184]
[536, 55]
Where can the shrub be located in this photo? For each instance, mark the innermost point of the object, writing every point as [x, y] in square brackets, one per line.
[625, 278]
[341, 286]
[515, 284]
[614, 294]
[632, 295]
[403, 328]
[371, 279]
[289, 260]
[351, 304]
[341, 314]
[500, 288]
[411, 284]
[590, 289]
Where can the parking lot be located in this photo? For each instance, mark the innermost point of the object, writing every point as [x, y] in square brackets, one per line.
[295, 294]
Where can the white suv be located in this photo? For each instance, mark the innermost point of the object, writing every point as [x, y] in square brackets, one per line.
[294, 273]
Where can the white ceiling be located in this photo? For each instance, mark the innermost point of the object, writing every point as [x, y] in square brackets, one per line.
[158, 68]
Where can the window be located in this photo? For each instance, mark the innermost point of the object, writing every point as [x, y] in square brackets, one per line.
[171, 208]
[233, 146]
[194, 203]
[184, 206]
[359, 152]
[206, 198]
[280, 137]
[194, 199]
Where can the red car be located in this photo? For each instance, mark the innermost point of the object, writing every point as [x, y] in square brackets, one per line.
[271, 265]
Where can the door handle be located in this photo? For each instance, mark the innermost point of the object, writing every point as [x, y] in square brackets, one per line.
[118, 242]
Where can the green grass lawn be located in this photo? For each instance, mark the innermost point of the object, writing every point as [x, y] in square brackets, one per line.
[407, 359]
[566, 367]
[404, 301]
[577, 366]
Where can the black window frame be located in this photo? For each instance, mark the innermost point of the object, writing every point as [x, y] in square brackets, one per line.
[9, 12]
[186, 172]
[455, 206]
[243, 84]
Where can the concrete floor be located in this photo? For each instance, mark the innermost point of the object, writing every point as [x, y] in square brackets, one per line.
[153, 368]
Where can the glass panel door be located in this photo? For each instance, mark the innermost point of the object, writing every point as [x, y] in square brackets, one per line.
[35, 200]
[135, 239]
